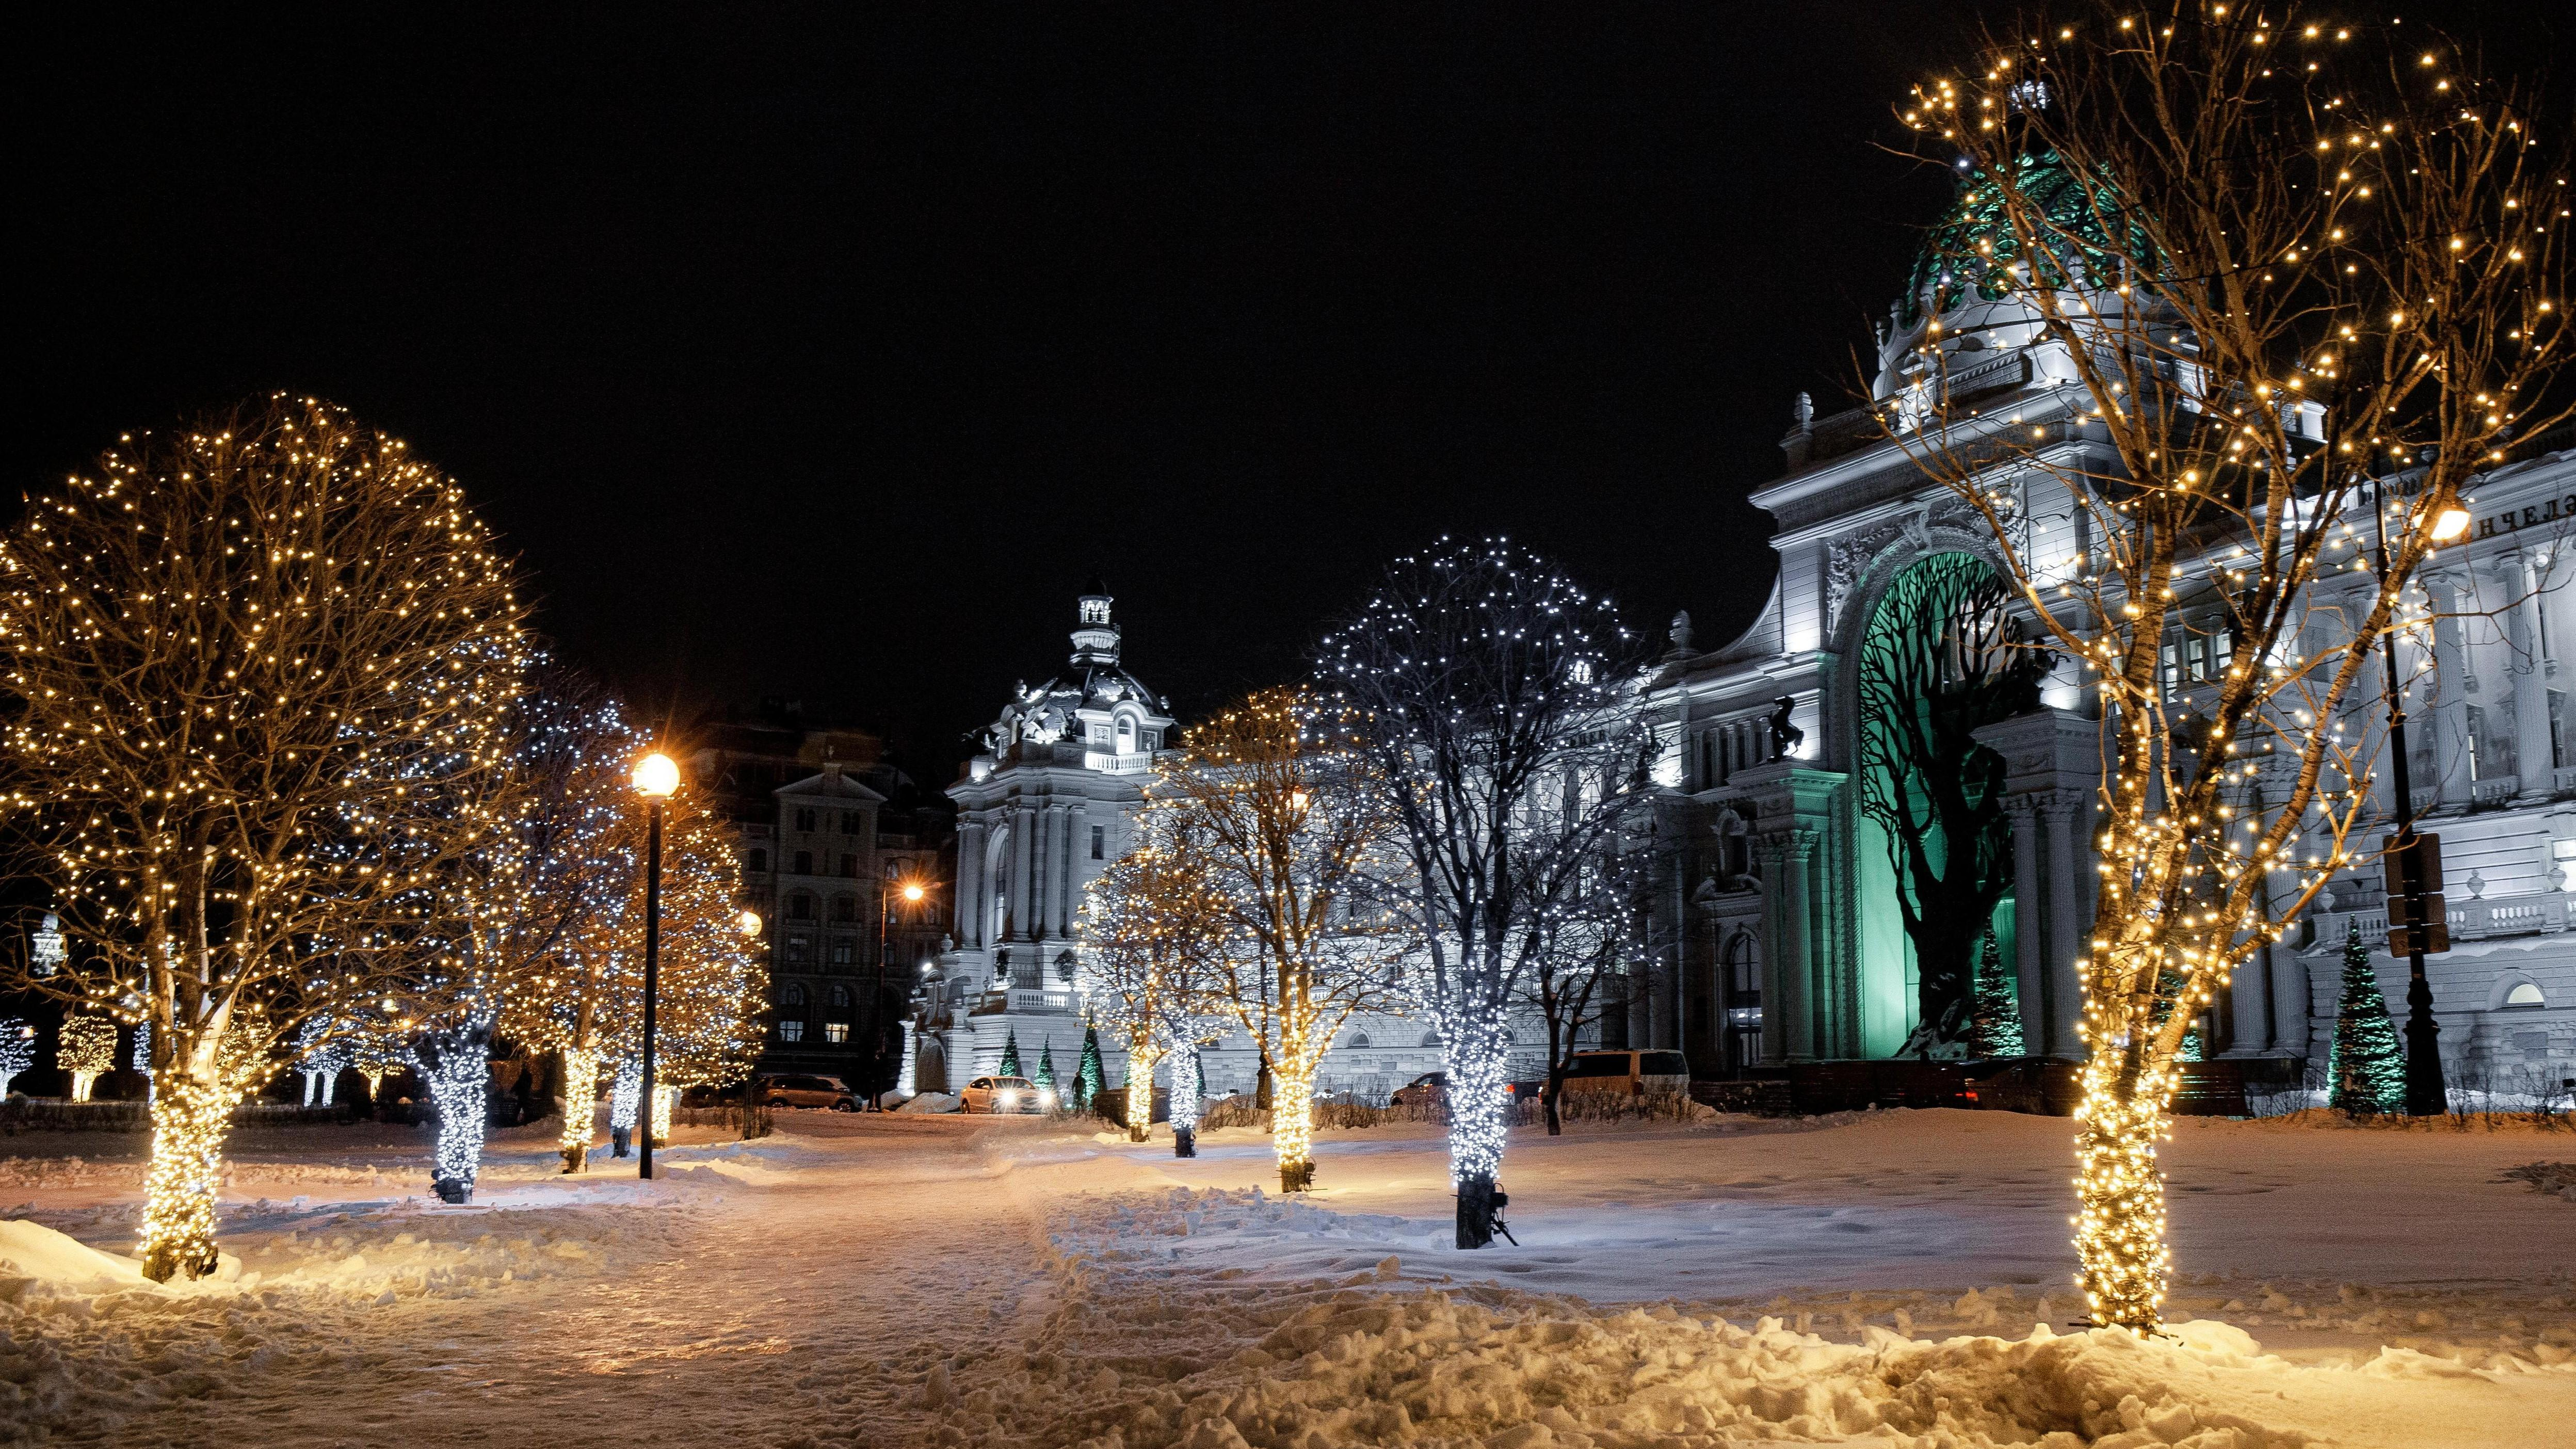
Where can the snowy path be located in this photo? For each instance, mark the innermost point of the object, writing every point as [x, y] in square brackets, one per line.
[882, 1281]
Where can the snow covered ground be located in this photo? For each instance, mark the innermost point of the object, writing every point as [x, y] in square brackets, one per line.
[882, 1280]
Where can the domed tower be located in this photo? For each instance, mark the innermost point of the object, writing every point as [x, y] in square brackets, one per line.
[1041, 811]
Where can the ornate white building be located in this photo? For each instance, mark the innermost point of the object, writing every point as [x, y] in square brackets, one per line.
[1042, 811]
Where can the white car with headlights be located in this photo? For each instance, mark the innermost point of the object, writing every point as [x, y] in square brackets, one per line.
[1006, 1094]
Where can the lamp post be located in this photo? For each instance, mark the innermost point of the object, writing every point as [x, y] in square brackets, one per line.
[2424, 1094]
[912, 892]
[656, 779]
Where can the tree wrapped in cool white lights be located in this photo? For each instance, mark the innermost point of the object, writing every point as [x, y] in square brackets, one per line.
[1285, 830]
[239, 656]
[17, 1049]
[324, 1048]
[1150, 924]
[84, 1049]
[2266, 267]
[1492, 695]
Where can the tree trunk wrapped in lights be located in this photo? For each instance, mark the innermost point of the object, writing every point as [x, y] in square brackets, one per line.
[2262, 273]
[456, 1061]
[252, 663]
[1188, 1093]
[84, 1049]
[581, 1106]
[1276, 814]
[324, 1050]
[1494, 697]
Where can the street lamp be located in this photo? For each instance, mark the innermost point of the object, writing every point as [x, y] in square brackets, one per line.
[656, 779]
[912, 892]
[2425, 1096]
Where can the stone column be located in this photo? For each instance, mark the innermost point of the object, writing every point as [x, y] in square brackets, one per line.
[1019, 920]
[1797, 968]
[2030, 921]
[1767, 851]
[2067, 922]
[2450, 713]
[2524, 575]
[968, 907]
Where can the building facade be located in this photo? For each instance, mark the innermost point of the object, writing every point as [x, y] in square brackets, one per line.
[829, 834]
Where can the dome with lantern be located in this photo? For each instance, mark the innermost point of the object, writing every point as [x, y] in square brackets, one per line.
[1096, 706]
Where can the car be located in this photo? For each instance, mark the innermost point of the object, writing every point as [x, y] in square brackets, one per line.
[830, 1093]
[1627, 1074]
[1432, 1088]
[1005, 1094]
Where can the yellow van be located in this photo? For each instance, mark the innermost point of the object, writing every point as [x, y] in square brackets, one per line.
[1628, 1074]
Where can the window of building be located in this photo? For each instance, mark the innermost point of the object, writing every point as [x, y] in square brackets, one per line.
[845, 908]
[1099, 842]
[757, 863]
[1126, 734]
[849, 822]
[796, 948]
[2558, 729]
[836, 1032]
[804, 862]
[1359, 1040]
[2525, 995]
[850, 866]
[800, 906]
[844, 951]
[1153, 739]
[804, 817]
[791, 1031]
[1064, 969]
[894, 870]
[840, 998]
[1432, 1039]
[792, 995]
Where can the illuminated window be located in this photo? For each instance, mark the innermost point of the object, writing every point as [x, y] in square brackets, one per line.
[791, 1031]
[2525, 995]
[836, 1032]
[844, 952]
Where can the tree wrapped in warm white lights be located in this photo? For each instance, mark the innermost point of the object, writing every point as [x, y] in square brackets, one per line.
[17, 1049]
[240, 656]
[83, 1049]
[1286, 830]
[1149, 924]
[708, 1026]
[2260, 265]
[1493, 696]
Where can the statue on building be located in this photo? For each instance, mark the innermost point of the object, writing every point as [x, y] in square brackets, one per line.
[1785, 734]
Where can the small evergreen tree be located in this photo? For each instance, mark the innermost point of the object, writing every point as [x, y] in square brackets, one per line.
[2365, 1068]
[1046, 1065]
[1010, 1053]
[1996, 1024]
[1087, 1080]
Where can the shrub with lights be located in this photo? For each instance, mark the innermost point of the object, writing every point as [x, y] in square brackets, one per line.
[2189, 503]
[17, 1049]
[257, 664]
[84, 1050]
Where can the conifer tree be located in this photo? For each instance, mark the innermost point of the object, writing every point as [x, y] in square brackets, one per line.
[1997, 1021]
[1087, 1079]
[1010, 1053]
[1046, 1065]
[2365, 1067]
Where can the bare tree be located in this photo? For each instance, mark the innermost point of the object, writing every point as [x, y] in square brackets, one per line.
[2255, 260]
[1287, 830]
[242, 657]
[1942, 658]
[1493, 696]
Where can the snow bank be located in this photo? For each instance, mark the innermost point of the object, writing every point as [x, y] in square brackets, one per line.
[930, 1102]
[32, 1250]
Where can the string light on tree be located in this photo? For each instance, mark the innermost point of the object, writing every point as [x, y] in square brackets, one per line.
[85, 1048]
[17, 1049]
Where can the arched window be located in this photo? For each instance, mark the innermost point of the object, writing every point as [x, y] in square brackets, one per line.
[1432, 1039]
[800, 907]
[758, 864]
[1359, 1039]
[1064, 968]
[1126, 734]
[840, 998]
[2526, 994]
[792, 995]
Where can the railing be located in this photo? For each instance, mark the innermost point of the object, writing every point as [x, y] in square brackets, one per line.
[2427, 797]
[2532, 915]
[2495, 789]
[1109, 764]
[1023, 998]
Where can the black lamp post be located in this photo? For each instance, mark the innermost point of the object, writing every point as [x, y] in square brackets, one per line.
[2425, 1096]
[656, 779]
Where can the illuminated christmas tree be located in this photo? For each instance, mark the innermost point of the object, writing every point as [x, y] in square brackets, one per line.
[2365, 1065]
[85, 1048]
[1010, 1066]
[1088, 1080]
[1045, 1079]
[1996, 1024]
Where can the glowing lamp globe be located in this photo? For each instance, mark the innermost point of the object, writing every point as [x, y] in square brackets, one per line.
[749, 922]
[2449, 524]
[656, 777]
[913, 891]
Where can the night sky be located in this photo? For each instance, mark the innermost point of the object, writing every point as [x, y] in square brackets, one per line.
[823, 356]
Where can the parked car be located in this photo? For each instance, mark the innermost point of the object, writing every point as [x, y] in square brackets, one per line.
[1005, 1094]
[830, 1093]
[1433, 1087]
[1628, 1074]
